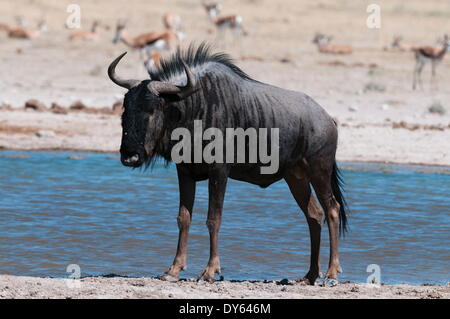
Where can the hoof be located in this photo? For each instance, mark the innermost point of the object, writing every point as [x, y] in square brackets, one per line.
[330, 282]
[309, 282]
[167, 277]
[305, 281]
[311, 279]
[206, 279]
[209, 272]
[209, 278]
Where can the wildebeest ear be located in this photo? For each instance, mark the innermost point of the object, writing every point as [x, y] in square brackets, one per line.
[174, 92]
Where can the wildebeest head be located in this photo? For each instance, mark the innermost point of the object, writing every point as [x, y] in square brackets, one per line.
[143, 115]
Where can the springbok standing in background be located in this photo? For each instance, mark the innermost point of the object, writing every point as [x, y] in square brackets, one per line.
[148, 43]
[426, 54]
[232, 22]
[24, 33]
[324, 45]
[91, 35]
[163, 40]
[20, 22]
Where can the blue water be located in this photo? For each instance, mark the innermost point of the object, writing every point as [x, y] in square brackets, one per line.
[56, 211]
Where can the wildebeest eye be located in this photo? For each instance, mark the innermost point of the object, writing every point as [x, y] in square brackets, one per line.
[147, 107]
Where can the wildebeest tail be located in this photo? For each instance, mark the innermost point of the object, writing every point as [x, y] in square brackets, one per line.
[336, 185]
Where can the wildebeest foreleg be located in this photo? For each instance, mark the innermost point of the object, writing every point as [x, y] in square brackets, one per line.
[216, 187]
[187, 195]
[301, 190]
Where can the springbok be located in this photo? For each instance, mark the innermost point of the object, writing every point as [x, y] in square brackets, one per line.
[324, 45]
[426, 54]
[20, 22]
[232, 22]
[147, 42]
[91, 35]
[24, 33]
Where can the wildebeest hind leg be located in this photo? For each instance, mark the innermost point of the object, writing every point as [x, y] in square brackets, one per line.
[216, 188]
[187, 195]
[298, 183]
[321, 170]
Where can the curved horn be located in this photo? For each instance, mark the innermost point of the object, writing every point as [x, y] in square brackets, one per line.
[158, 87]
[128, 84]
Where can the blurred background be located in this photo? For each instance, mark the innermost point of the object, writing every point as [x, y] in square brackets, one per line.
[278, 48]
[367, 87]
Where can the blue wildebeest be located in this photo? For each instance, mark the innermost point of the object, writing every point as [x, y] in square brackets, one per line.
[196, 85]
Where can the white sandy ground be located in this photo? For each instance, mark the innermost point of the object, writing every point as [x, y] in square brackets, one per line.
[278, 51]
[118, 287]
[358, 141]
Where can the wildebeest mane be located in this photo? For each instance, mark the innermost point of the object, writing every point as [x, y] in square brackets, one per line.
[171, 67]
[194, 56]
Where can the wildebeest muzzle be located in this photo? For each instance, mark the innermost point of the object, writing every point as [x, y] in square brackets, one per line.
[133, 161]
